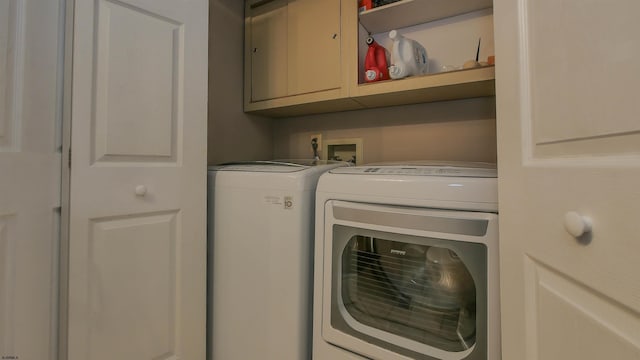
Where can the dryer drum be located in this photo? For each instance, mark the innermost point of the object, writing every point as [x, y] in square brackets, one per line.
[424, 293]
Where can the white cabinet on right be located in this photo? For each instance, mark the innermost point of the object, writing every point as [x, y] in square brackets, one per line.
[294, 47]
[569, 143]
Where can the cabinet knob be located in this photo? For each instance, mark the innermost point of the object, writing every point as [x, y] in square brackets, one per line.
[141, 190]
[255, 50]
[576, 224]
[334, 36]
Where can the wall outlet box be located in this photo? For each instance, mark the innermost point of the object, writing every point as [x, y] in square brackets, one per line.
[349, 150]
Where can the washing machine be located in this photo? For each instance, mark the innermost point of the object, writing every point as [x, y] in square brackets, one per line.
[406, 263]
[260, 261]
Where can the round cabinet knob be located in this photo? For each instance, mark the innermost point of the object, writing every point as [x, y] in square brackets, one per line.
[576, 224]
[141, 190]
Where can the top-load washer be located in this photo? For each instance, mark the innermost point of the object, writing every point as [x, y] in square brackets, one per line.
[406, 263]
[260, 236]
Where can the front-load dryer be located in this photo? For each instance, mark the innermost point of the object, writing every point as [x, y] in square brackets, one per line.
[406, 263]
[260, 238]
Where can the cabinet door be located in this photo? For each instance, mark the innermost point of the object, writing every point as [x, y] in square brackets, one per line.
[314, 46]
[569, 144]
[268, 28]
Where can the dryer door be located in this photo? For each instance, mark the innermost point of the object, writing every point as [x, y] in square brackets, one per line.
[408, 283]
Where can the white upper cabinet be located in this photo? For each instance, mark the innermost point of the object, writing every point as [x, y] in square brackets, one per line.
[314, 46]
[307, 56]
[293, 56]
[268, 50]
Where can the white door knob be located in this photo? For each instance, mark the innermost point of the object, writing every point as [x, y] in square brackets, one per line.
[576, 224]
[141, 190]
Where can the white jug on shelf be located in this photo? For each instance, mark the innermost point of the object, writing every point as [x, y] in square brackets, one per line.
[408, 57]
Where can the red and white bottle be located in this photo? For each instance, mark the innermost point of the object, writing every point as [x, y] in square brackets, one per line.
[376, 62]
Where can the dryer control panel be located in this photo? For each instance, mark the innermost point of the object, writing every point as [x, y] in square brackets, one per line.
[419, 171]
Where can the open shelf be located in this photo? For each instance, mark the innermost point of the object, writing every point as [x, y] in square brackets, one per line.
[412, 12]
[460, 84]
[452, 85]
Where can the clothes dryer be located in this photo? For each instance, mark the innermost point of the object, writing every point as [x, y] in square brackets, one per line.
[260, 273]
[406, 263]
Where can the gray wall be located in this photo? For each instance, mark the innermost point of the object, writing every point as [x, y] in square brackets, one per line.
[232, 134]
[463, 130]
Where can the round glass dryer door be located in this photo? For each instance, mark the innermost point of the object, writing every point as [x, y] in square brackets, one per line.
[420, 291]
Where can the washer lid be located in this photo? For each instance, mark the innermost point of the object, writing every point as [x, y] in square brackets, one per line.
[273, 166]
[450, 169]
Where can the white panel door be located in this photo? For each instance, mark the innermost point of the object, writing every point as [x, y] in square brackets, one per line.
[569, 144]
[30, 167]
[137, 245]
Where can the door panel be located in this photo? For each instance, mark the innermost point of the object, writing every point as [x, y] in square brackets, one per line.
[269, 64]
[137, 245]
[122, 294]
[11, 59]
[564, 124]
[570, 312]
[569, 141]
[314, 46]
[596, 59]
[7, 279]
[30, 166]
[138, 84]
